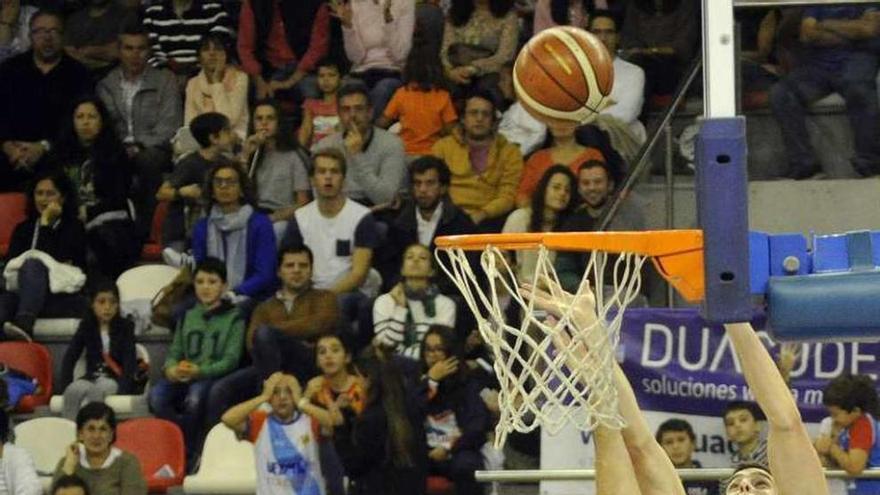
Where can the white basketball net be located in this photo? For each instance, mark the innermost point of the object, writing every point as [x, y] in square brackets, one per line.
[537, 387]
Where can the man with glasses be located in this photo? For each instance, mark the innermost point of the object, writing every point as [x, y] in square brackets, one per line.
[485, 167]
[36, 91]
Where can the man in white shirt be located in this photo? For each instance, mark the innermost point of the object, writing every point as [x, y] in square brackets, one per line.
[342, 235]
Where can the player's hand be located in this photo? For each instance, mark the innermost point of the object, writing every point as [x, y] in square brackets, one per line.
[550, 297]
[580, 336]
[442, 369]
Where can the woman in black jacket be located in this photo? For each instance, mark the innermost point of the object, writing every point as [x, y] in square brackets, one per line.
[92, 156]
[52, 227]
[109, 344]
[456, 418]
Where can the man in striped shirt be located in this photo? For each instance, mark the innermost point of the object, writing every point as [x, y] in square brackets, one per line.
[176, 28]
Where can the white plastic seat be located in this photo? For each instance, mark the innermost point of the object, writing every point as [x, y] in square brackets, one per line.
[227, 465]
[46, 439]
[137, 288]
[124, 405]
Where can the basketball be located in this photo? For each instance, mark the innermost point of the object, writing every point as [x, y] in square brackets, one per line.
[563, 74]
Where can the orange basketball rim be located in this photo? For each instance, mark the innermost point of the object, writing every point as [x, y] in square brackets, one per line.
[677, 254]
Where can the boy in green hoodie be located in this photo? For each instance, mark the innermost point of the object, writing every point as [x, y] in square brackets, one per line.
[207, 345]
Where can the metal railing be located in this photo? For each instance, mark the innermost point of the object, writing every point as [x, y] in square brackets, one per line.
[706, 474]
[643, 159]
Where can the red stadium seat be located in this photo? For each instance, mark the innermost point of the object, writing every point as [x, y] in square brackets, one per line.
[12, 212]
[156, 443]
[152, 250]
[35, 361]
[439, 485]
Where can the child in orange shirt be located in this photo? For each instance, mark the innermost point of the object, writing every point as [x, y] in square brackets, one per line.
[422, 105]
[320, 118]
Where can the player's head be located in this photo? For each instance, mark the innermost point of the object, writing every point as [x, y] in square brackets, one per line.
[751, 479]
[848, 397]
[742, 422]
[677, 438]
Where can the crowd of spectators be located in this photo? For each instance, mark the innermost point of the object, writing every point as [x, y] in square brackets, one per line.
[309, 153]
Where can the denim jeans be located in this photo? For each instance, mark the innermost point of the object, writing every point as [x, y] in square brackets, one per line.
[28, 302]
[184, 404]
[790, 97]
[276, 351]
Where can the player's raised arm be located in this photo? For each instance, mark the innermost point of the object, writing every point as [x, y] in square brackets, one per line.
[652, 469]
[794, 464]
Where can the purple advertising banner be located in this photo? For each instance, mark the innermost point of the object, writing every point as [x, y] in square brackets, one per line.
[678, 363]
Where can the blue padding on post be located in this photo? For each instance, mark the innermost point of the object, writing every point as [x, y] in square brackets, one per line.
[759, 265]
[858, 246]
[828, 306]
[722, 213]
[875, 243]
[830, 253]
[785, 245]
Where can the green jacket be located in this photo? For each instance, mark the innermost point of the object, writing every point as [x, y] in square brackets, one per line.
[213, 340]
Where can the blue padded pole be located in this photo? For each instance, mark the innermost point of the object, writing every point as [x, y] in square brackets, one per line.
[723, 214]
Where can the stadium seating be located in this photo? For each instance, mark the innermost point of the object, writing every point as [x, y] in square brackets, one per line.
[123, 405]
[137, 288]
[35, 361]
[12, 211]
[227, 465]
[46, 440]
[158, 445]
[440, 485]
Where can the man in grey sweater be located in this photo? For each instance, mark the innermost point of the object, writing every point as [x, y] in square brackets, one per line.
[375, 157]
